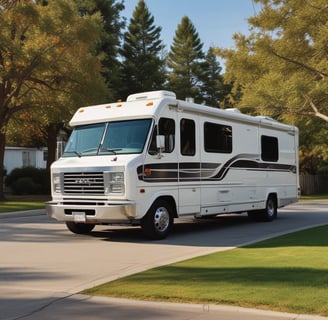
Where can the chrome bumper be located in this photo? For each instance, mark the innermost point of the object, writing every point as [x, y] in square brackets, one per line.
[120, 212]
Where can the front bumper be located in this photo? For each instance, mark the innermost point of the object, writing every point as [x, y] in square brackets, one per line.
[111, 213]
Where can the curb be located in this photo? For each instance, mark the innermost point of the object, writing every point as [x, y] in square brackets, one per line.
[205, 308]
[19, 214]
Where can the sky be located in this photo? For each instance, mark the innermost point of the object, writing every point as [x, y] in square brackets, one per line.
[215, 20]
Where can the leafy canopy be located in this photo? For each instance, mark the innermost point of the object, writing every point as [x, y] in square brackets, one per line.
[282, 70]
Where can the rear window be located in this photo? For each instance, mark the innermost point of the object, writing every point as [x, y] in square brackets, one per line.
[269, 149]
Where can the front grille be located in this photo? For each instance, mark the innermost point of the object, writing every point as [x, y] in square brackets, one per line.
[84, 183]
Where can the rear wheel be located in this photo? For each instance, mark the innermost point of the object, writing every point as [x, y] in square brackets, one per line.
[79, 228]
[270, 211]
[267, 214]
[158, 221]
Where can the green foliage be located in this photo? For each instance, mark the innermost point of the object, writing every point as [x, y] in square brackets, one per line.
[282, 67]
[186, 62]
[213, 89]
[29, 180]
[110, 39]
[25, 186]
[143, 65]
[48, 64]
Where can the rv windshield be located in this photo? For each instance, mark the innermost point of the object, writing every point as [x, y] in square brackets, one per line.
[119, 137]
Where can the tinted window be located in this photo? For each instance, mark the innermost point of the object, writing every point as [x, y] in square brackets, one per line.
[187, 137]
[217, 138]
[269, 149]
[166, 128]
[85, 140]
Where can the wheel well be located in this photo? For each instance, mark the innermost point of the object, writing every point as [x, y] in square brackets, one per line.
[170, 200]
[274, 196]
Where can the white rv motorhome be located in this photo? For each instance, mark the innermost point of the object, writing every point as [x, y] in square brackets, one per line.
[154, 158]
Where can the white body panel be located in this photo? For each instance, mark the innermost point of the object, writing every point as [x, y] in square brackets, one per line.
[201, 184]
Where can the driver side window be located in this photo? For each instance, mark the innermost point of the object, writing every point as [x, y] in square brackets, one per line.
[166, 128]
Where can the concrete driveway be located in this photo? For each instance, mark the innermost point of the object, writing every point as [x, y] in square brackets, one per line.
[43, 267]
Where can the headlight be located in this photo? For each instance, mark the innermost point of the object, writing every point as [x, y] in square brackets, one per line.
[116, 182]
[56, 183]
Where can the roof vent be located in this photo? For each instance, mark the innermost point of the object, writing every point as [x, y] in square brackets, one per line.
[151, 95]
[266, 118]
[235, 110]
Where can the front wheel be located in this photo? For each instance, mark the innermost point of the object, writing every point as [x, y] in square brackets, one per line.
[79, 228]
[158, 221]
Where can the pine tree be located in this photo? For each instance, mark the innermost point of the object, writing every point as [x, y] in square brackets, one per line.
[186, 61]
[142, 65]
[110, 39]
[213, 87]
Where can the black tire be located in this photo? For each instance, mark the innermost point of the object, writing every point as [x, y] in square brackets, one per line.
[79, 228]
[267, 214]
[270, 211]
[158, 221]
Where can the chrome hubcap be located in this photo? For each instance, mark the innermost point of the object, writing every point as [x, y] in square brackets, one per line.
[271, 209]
[161, 219]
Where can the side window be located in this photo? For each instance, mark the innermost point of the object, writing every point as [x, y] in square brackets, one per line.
[269, 148]
[166, 128]
[217, 138]
[187, 137]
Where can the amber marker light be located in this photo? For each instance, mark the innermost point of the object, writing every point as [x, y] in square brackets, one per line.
[147, 172]
[149, 104]
[81, 110]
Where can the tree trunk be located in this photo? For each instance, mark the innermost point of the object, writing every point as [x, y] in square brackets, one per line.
[52, 132]
[2, 168]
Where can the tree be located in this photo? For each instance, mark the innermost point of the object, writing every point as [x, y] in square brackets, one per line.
[214, 90]
[45, 58]
[142, 65]
[110, 40]
[282, 67]
[186, 62]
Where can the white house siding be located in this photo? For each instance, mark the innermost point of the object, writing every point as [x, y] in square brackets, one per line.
[17, 157]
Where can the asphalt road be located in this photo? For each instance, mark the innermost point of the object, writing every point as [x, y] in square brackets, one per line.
[43, 266]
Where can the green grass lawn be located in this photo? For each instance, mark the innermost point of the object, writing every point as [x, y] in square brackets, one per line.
[315, 197]
[288, 273]
[27, 202]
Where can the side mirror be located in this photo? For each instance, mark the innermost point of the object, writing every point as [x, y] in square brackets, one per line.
[160, 142]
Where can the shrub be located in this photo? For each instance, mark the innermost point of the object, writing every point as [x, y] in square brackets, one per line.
[29, 180]
[25, 185]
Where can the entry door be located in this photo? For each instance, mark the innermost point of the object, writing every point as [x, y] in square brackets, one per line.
[189, 165]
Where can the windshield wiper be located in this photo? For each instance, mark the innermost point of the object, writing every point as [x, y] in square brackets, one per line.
[89, 150]
[75, 152]
[112, 150]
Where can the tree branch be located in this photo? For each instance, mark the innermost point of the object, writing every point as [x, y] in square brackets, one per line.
[321, 74]
[317, 113]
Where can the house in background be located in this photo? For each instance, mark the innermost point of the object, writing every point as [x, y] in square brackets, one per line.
[18, 157]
